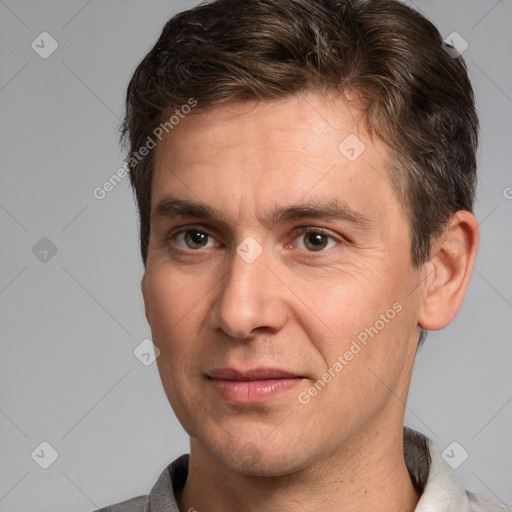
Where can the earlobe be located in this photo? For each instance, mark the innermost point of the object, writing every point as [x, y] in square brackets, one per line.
[446, 275]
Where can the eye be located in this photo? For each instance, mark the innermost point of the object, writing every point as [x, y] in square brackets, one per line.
[195, 239]
[315, 240]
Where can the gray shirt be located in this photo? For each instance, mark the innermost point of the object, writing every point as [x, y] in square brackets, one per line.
[431, 475]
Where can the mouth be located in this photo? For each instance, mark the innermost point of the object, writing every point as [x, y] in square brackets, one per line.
[252, 386]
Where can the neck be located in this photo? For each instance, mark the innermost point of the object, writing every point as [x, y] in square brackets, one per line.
[371, 475]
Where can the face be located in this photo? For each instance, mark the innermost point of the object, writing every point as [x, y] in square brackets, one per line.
[279, 286]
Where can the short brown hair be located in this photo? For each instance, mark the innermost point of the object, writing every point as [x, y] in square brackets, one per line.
[417, 97]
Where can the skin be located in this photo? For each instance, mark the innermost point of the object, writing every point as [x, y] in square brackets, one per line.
[292, 308]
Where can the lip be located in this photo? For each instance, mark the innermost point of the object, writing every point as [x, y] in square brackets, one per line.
[252, 386]
[250, 375]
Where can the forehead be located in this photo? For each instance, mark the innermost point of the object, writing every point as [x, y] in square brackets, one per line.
[291, 124]
[257, 155]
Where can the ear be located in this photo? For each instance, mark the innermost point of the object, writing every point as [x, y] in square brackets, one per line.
[446, 275]
[145, 296]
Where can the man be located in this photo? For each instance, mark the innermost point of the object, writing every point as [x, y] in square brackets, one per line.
[305, 173]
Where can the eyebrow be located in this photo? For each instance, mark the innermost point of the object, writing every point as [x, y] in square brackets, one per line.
[171, 207]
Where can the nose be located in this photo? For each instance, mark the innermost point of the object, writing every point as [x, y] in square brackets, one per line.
[250, 299]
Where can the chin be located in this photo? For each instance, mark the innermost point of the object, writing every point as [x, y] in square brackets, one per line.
[263, 461]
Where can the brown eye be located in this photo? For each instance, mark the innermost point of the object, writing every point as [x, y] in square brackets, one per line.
[315, 241]
[193, 239]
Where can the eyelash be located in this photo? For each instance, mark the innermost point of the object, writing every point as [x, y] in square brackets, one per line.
[301, 231]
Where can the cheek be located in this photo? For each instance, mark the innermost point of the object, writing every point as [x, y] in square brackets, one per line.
[176, 310]
[171, 296]
[175, 304]
[335, 311]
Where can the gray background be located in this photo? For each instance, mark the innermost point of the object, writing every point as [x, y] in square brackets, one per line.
[69, 325]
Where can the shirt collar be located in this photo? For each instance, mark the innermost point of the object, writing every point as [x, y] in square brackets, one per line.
[432, 476]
